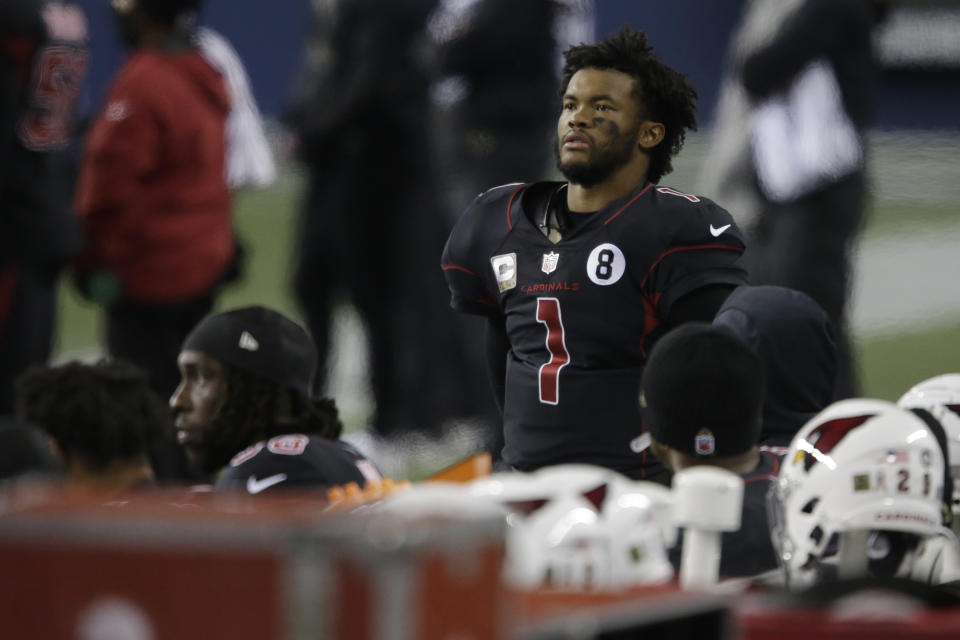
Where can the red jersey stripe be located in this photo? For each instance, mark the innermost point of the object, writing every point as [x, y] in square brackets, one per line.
[630, 202]
[510, 203]
[449, 267]
[692, 247]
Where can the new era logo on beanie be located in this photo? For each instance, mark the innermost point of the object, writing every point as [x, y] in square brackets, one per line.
[248, 342]
[259, 341]
[703, 389]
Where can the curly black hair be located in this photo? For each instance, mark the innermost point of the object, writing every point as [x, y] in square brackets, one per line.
[102, 413]
[256, 409]
[664, 94]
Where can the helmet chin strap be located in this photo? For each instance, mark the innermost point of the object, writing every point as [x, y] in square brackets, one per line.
[852, 560]
[862, 553]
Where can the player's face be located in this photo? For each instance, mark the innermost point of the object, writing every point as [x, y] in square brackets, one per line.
[198, 399]
[598, 130]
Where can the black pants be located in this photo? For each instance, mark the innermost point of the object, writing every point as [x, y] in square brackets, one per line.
[371, 234]
[150, 336]
[26, 334]
[806, 245]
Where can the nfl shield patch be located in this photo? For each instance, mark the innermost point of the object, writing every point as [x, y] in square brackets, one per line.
[704, 443]
[549, 264]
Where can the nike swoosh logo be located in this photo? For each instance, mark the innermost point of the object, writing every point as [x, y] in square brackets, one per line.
[255, 486]
[716, 232]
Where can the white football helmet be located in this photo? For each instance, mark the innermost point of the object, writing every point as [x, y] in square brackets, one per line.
[638, 518]
[561, 545]
[582, 527]
[554, 538]
[635, 524]
[859, 490]
[940, 396]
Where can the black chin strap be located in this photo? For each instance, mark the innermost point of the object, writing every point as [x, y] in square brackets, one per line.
[941, 436]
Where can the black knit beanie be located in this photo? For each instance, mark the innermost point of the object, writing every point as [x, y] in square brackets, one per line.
[260, 341]
[703, 391]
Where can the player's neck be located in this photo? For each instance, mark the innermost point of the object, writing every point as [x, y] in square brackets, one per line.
[116, 475]
[620, 184]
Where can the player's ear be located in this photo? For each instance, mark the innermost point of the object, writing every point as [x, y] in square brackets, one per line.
[650, 134]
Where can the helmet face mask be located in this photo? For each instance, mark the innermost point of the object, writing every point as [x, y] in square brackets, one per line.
[857, 468]
[940, 396]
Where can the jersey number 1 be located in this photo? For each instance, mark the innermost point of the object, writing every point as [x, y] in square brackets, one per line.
[548, 312]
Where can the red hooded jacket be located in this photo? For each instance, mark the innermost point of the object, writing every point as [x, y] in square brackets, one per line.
[152, 197]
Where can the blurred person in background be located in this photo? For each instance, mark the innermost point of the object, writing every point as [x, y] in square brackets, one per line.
[794, 339]
[703, 391]
[103, 419]
[577, 279]
[370, 220]
[249, 161]
[245, 382]
[43, 62]
[805, 75]
[489, 53]
[152, 197]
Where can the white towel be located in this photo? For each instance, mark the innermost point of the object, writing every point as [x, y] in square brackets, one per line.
[803, 138]
[249, 160]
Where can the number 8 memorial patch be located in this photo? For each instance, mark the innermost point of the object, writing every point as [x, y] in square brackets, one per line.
[606, 264]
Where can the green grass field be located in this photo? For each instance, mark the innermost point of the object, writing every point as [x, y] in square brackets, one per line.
[888, 364]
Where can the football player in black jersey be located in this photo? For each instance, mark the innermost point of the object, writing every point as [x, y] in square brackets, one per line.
[245, 385]
[721, 428]
[579, 278]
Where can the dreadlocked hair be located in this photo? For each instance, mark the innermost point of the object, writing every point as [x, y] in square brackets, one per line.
[256, 409]
[664, 95]
[102, 413]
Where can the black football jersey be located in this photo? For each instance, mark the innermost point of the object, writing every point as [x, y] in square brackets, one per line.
[749, 550]
[581, 314]
[296, 461]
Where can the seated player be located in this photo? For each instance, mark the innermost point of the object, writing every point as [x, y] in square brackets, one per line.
[101, 419]
[703, 392]
[296, 461]
[245, 378]
[795, 341]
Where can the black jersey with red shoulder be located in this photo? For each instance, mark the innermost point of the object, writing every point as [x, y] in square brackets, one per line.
[297, 461]
[748, 551]
[580, 315]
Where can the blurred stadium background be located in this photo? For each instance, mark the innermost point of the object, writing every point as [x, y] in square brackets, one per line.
[906, 299]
